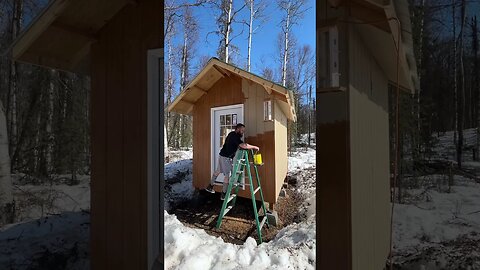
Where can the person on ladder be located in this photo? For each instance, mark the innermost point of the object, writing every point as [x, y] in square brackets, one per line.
[226, 155]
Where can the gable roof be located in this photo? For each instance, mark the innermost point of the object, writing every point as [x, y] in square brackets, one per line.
[61, 35]
[217, 69]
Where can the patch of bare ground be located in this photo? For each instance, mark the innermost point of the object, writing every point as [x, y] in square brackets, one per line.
[202, 212]
[461, 253]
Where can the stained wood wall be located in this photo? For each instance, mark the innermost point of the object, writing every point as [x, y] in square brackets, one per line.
[230, 91]
[119, 136]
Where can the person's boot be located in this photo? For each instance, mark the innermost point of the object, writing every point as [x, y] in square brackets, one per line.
[210, 189]
[223, 196]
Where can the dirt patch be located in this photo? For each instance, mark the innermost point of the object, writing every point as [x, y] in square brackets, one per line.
[202, 212]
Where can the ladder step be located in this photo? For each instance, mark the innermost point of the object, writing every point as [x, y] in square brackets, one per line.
[227, 209]
[263, 221]
[231, 198]
[257, 189]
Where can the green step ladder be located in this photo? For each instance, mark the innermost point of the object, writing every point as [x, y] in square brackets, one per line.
[242, 164]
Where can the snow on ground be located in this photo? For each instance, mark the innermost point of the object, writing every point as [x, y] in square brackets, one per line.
[178, 177]
[35, 201]
[304, 139]
[445, 148]
[187, 248]
[437, 216]
[176, 155]
[53, 242]
[301, 159]
[434, 228]
[293, 247]
[52, 231]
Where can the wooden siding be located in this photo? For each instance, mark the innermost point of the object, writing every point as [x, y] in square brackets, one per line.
[226, 91]
[119, 136]
[281, 155]
[333, 157]
[369, 152]
[260, 133]
[229, 91]
[333, 185]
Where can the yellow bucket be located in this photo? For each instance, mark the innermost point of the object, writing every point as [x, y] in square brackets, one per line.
[257, 159]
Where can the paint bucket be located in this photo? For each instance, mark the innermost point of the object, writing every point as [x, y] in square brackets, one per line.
[257, 159]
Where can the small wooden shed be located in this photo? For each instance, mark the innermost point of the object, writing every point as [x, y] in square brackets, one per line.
[221, 96]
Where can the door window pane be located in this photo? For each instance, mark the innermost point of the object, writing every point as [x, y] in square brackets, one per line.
[234, 119]
[228, 119]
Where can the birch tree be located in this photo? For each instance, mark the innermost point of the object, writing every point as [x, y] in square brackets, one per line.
[190, 36]
[256, 10]
[226, 18]
[292, 12]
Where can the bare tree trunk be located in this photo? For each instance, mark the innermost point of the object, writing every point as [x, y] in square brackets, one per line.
[476, 89]
[454, 73]
[12, 91]
[285, 49]
[309, 113]
[461, 93]
[6, 196]
[168, 126]
[50, 134]
[229, 27]
[422, 24]
[250, 32]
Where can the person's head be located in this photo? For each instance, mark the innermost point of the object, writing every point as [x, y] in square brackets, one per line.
[240, 128]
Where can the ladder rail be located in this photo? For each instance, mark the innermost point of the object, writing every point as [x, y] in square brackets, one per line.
[259, 185]
[242, 164]
[257, 222]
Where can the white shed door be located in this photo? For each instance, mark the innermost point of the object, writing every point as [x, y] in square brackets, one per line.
[224, 120]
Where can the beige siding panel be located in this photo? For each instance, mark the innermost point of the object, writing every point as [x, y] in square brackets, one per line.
[281, 158]
[260, 133]
[369, 158]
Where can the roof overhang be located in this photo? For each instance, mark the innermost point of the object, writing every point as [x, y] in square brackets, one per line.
[61, 36]
[379, 30]
[214, 71]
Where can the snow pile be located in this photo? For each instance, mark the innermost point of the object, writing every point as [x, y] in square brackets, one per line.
[301, 159]
[443, 217]
[187, 248]
[178, 179]
[180, 155]
[293, 247]
[54, 242]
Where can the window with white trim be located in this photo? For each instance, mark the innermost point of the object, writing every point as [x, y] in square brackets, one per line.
[267, 110]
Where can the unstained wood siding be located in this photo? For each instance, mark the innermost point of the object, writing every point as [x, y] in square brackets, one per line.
[281, 155]
[119, 136]
[369, 153]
